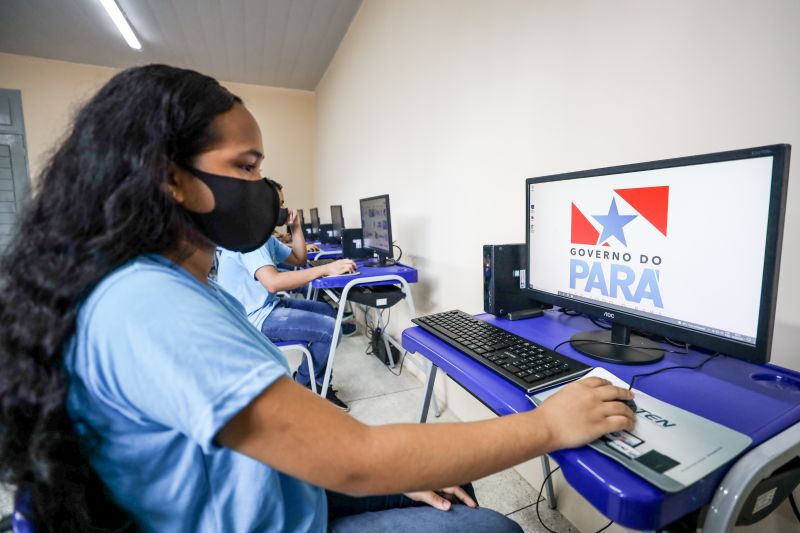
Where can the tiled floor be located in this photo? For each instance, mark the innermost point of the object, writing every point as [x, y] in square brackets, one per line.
[378, 397]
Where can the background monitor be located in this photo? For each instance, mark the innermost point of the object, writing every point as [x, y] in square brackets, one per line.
[314, 221]
[376, 225]
[301, 217]
[686, 248]
[337, 221]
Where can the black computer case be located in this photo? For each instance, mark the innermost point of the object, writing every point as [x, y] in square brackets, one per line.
[504, 278]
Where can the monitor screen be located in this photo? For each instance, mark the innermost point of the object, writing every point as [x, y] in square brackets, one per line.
[314, 220]
[337, 220]
[376, 224]
[301, 217]
[687, 245]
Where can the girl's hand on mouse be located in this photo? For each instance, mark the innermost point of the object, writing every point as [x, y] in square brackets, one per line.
[584, 410]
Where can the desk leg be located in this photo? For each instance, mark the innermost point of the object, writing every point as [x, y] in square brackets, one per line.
[551, 495]
[384, 335]
[742, 478]
[426, 401]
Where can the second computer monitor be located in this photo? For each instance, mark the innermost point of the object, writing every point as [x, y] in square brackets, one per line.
[337, 220]
[314, 221]
[376, 223]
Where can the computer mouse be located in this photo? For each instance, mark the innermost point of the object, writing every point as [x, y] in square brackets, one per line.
[631, 404]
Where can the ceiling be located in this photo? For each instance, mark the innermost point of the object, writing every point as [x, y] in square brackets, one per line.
[281, 43]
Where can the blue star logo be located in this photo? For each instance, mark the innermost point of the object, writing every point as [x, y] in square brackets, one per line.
[613, 223]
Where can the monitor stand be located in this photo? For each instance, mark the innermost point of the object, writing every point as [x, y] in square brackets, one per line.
[628, 349]
[382, 261]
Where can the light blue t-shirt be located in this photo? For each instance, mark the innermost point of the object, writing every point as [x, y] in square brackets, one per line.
[236, 273]
[159, 363]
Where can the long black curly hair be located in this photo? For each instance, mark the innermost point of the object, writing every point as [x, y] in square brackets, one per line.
[100, 201]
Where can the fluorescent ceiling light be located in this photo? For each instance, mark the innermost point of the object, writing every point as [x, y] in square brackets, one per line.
[121, 23]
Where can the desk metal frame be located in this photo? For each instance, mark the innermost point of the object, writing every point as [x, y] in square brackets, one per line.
[342, 301]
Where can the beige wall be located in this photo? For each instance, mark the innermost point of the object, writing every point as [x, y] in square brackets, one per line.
[449, 105]
[52, 91]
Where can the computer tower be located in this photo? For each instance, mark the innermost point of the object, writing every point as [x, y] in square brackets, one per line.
[326, 234]
[352, 244]
[503, 280]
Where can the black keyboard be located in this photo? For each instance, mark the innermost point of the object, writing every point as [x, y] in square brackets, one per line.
[526, 364]
[321, 262]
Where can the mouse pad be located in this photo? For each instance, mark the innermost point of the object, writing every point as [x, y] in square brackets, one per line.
[669, 447]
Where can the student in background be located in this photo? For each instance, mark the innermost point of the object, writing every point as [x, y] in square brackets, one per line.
[254, 279]
[134, 393]
[286, 238]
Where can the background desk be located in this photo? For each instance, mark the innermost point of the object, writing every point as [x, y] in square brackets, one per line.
[397, 274]
[325, 250]
[724, 391]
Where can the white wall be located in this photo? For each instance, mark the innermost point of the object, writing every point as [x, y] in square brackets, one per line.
[449, 105]
[53, 91]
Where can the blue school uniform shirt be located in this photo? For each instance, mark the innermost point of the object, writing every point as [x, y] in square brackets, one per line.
[158, 364]
[236, 272]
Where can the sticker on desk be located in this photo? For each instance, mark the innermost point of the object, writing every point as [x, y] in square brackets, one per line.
[669, 447]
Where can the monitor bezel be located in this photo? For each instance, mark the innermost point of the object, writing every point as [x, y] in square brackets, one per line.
[758, 353]
[333, 222]
[389, 254]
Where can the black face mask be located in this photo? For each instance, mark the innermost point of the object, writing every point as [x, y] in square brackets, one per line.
[283, 217]
[239, 220]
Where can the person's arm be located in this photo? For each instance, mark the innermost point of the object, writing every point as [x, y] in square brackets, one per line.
[275, 281]
[295, 431]
[299, 254]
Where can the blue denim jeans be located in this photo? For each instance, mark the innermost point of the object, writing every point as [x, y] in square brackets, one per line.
[294, 319]
[397, 514]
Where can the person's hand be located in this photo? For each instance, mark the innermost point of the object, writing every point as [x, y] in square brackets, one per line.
[312, 248]
[293, 221]
[337, 268]
[584, 410]
[443, 499]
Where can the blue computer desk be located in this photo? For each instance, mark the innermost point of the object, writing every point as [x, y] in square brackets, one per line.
[325, 250]
[762, 401]
[397, 274]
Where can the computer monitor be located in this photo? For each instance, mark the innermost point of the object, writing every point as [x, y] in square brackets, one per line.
[376, 224]
[685, 248]
[314, 221]
[337, 221]
[301, 217]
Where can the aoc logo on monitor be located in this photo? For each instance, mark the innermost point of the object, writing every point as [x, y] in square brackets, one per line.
[611, 267]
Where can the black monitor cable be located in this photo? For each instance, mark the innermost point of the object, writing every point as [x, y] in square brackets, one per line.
[399, 257]
[695, 367]
[633, 379]
[540, 499]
